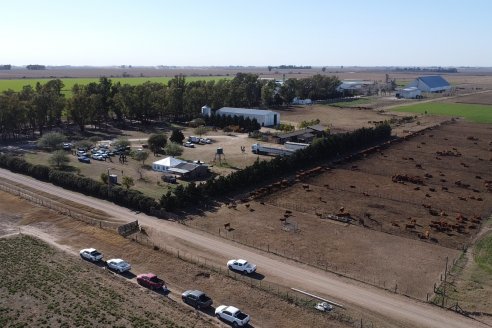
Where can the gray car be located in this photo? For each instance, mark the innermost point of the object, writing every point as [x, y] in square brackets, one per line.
[197, 299]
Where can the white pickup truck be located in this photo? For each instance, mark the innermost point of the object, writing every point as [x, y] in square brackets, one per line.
[91, 254]
[232, 315]
[241, 265]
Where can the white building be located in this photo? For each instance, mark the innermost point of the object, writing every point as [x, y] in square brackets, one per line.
[298, 101]
[263, 117]
[164, 165]
[434, 83]
[410, 93]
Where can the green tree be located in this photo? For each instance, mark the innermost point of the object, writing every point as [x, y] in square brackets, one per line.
[104, 177]
[177, 136]
[128, 182]
[140, 155]
[201, 130]
[51, 140]
[121, 143]
[80, 107]
[156, 142]
[173, 149]
[59, 158]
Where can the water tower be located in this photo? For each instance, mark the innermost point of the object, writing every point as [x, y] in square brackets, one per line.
[219, 154]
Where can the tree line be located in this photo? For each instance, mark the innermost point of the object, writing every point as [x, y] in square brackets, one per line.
[321, 150]
[39, 108]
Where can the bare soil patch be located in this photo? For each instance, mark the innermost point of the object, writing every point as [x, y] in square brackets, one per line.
[479, 98]
[135, 302]
[390, 241]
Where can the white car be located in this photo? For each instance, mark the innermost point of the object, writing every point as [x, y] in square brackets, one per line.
[118, 265]
[91, 254]
[233, 315]
[241, 265]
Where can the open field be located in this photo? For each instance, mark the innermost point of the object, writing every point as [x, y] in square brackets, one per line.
[372, 247]
[74, 278]
[471, 112]
[484, 98]
[17, 84]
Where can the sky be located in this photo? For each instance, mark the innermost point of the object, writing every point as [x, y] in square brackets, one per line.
[247, 33]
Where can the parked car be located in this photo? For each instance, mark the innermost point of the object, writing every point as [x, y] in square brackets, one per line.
[169, 178]
[67, 146]
[233, 315]
[189, 144]
[97, 157]
[241, 265]
[151, 281]
[197, 299]
[118, 265]
[84, 159]
[81, 153]
[91, 254]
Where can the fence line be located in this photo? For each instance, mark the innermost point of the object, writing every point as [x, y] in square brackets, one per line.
[283, 293]
[60, 208]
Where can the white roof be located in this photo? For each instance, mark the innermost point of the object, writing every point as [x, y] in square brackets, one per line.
[245, 111]
[231, 309]
[169, 161]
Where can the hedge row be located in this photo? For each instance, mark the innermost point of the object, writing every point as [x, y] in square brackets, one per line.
[322, 149]
[132, 199]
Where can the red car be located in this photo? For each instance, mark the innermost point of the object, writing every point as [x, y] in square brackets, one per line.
[151, 281]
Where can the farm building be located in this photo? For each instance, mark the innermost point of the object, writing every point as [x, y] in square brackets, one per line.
[354, 87]
[433, 83]
[164, 165]
[263, 117]
[190, 170]
[304, 135]
[409, 93]
[298, 101]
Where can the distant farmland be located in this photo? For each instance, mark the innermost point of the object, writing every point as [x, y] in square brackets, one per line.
[17, 84]
[471, 112]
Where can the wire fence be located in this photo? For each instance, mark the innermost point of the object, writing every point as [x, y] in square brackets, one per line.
[151, 239]
[58, 207]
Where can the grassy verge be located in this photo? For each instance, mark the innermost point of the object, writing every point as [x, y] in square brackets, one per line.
[472, 113]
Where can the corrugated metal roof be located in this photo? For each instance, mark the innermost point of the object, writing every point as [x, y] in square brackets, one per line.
[434, 81]
[245, 111]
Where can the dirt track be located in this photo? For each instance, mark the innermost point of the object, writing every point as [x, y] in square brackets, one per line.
[403, 310]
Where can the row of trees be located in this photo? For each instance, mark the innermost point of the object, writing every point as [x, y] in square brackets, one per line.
[321, 150]
[221, 121]
[132, 199]
[45, 105]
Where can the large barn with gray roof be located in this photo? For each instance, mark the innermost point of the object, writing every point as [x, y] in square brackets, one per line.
[434, 83]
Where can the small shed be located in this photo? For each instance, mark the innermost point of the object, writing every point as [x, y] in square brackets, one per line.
[410, 93]
[190, 170]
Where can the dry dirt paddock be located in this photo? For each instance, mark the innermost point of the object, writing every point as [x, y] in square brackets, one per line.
[380, 248]
[266, 309]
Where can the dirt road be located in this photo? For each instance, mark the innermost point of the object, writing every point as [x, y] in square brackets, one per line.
[407, 312]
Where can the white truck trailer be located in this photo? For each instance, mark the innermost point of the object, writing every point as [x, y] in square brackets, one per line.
[295, 145]
[266, 150]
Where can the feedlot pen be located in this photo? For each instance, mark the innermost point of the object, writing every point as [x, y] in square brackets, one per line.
[411, 206]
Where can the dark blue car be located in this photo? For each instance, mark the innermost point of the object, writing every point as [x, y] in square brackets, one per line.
[84, 159]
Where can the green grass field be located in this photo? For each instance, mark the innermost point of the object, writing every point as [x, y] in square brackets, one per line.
[353, 103]
[483, 253]
[472, 113]
[17, 84]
